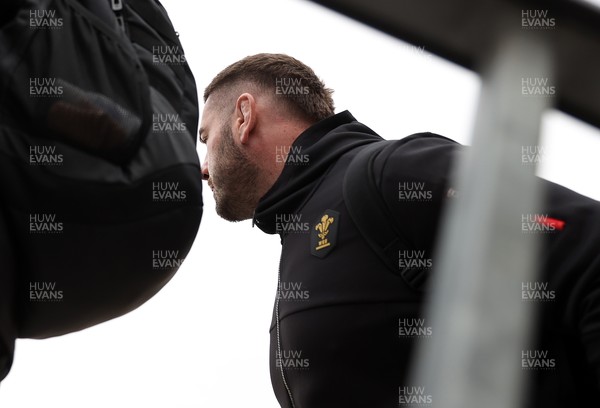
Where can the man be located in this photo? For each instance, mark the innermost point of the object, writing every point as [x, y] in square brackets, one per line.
[343, 324]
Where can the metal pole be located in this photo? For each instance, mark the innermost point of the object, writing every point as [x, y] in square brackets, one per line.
[480, 324]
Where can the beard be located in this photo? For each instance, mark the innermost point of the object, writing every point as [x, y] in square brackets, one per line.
[234, 180]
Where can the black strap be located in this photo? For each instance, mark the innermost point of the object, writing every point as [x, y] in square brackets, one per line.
[371, 216]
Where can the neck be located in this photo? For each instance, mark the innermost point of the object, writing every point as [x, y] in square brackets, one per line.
[280, 147]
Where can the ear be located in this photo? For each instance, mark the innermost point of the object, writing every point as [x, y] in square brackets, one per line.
[245, 112]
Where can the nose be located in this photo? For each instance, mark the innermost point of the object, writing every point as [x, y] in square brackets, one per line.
[204, 169]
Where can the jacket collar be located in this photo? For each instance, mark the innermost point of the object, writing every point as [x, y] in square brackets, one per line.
[309, 158]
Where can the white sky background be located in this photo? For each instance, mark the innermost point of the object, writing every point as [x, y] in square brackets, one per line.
[203, 340]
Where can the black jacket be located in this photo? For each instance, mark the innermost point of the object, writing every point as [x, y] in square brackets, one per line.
[343, 328]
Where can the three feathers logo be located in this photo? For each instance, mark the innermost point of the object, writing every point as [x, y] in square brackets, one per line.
[324, 234]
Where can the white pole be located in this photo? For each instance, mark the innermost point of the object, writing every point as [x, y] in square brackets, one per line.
[480, 323]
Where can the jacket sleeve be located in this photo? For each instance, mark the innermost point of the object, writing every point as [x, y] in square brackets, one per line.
[413, 177]
[571, 264]
[589, 327]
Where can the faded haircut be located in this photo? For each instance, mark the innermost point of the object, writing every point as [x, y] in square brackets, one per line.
[293, 83]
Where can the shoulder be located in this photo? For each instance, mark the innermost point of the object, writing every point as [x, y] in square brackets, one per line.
[420, 157]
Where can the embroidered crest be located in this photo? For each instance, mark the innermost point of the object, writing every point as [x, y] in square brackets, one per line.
[323, 236]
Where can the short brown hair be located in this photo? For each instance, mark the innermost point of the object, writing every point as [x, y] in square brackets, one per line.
[278, 72]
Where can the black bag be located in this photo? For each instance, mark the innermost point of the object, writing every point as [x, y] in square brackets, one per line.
[100, 187]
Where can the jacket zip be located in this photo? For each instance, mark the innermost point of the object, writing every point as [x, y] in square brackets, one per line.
[279, 351]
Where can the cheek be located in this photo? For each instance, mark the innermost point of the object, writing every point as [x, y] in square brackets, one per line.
[210, 153]
[214, 157]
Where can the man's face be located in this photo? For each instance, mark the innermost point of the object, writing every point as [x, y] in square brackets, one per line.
[230, 173]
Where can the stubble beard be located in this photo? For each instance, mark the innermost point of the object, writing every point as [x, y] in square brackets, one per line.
[234, 181]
